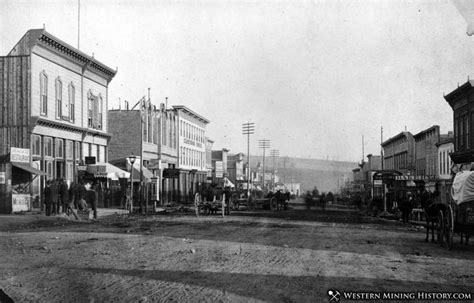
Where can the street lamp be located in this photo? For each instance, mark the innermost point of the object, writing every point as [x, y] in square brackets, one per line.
[132, 159]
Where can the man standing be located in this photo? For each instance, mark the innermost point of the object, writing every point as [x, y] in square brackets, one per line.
[54, 197]
[63, 195]
[47, 198]
[91, 197]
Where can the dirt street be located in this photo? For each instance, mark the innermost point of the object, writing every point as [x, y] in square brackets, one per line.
[286, 256]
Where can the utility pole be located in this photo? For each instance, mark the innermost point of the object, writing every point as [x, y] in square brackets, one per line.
[274, 153]
[248, 129]
[78, 22]
[381, 159]
[264, 143]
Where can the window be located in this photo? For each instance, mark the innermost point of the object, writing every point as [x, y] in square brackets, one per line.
[72, 101]
[89, 109]
[48, 146]
[35, 145]
[94, 110]
[59, 98]
[43, 94]
[99, 112]
[49, 170]
[59, 151]
[78, 151]
[69, 150]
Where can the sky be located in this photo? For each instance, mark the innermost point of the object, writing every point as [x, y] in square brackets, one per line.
[315, 76]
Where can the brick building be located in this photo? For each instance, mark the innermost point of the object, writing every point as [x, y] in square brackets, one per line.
[399, 153]
[426, 156]
[54, 100]
[461, 101]
[157, 145]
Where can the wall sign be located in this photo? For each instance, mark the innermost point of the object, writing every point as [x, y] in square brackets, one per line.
[2, 177]
[20, 155]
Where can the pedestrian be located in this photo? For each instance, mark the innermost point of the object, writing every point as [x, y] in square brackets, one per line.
[47, 198]
[91, 197]
[405, 207]
[308, 199]
[322, 201]
[78, 194]
[63, 195]
[54, 197]
[71, 200]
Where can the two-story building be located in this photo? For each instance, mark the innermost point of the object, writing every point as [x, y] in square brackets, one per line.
[461, 101]
[153, 138]
[191, 146]
[426, 157]
[54, 102]
[399, 153]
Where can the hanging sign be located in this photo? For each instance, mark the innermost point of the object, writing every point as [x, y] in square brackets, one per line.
[2, 177]
[20, 155]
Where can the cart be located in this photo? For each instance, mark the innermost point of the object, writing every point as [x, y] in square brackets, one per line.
[203, 207]
[458, 215]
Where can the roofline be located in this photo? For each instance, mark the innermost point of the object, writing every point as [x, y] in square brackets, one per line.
[426, 130]
[45, 39]
[459, 91]
[402, 134]
[191, 113]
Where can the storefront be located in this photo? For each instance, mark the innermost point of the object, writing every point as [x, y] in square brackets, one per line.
[16, 178]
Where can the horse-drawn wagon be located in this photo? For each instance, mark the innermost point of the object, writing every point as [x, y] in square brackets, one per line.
[457, 216]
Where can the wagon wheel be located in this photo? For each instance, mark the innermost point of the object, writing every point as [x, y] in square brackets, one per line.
[441, 228]
[449, 227]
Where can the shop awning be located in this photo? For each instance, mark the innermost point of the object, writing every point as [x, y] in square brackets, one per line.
[107, 170]
[147, 174]
[27, 167]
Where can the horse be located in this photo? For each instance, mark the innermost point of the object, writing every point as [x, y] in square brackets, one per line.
[281, 200]
[432, 211]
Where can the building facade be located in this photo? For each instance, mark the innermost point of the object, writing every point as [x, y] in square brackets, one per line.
[399, 153]
[191, 146]
[426, 157]
[157, 145]
[235, 167]
[444, 175]
[461, 101]
[56, 99]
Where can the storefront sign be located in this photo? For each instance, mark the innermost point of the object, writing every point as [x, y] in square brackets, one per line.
[20, 155]
[2, 177]
[20, 202]
[171, 173]
[414, 178]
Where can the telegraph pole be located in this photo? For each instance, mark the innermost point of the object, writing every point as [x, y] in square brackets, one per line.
[248, 129]
[274, 153]
[264, 143]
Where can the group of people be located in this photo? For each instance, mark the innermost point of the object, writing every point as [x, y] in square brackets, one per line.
[60, 196]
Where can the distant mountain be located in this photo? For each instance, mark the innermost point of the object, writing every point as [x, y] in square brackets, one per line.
[326, 175]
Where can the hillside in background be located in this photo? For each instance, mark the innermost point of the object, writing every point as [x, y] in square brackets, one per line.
[326, 175]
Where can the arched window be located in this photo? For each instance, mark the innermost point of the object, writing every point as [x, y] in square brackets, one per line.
[59, 98]
[43, 94]
[71, 101]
